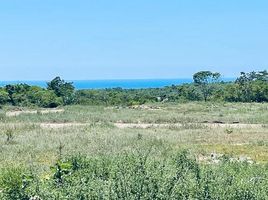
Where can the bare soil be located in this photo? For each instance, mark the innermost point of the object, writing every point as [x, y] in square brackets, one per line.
[15, 113]
[210, 125]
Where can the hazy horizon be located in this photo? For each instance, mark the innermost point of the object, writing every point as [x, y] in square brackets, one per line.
[103, 84]
[115, 79]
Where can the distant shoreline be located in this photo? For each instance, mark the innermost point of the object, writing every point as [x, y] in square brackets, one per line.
[121, 83]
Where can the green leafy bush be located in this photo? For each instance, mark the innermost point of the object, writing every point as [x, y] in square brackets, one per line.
[14, 183]
[139, 176]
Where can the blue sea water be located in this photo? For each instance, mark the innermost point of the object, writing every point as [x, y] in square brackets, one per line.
[102, 84]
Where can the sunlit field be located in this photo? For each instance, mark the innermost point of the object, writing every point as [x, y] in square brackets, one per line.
[150, 144]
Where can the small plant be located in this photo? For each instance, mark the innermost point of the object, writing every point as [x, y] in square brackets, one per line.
[58, 175]
[229, 130]
[61, 169]
[9, 136]
[61, 146]
[260, 143]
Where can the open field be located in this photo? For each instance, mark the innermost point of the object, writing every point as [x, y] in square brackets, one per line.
[37, 139]
[239, 129]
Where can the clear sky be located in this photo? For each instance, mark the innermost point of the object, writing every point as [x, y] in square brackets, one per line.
[129, 39]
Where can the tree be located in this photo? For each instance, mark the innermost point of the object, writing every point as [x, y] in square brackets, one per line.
[62, 89]
[43, 98]
[4, 98]
[47, 99]
[259, 91]
[245, 78]
[11, 90]
[17, 93]
[253, 86]
[206, 80]
[189, 92]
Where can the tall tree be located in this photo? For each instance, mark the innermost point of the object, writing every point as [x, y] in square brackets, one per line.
[253, 86]
[206, 80]
[245, 78]
[62, 89]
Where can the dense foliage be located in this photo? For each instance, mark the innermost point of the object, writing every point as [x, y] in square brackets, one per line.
[138, 176]
[58, 93]
[249, 87]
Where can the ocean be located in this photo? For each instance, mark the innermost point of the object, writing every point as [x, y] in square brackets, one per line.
[102, 84]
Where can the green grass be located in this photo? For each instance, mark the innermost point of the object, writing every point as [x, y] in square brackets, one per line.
[138, 175]
[24, 144]
[168, 113]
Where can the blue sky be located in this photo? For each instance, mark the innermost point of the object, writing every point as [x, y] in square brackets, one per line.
[120, 39]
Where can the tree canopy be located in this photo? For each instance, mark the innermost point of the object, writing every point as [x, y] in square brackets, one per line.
[205, 81]
[62, 89]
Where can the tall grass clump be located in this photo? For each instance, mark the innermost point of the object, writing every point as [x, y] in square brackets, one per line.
[10, 136]
[141, 176]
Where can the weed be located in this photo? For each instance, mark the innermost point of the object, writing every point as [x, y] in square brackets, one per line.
[261, 143]
[10, 135]
[229, 130]
[60, 149]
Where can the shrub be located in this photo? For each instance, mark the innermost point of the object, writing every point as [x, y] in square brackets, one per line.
[14, 183]
[10, 136]
[48, 99]
[139, 176]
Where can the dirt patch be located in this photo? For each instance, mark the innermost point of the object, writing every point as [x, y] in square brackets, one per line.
[144, 107]
[122, 125]
[15, 113]
[19, 112]
[43, 125]
[60, 125]
[210, 125]
[216, 158]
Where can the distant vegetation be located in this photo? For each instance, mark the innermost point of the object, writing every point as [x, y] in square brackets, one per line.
[248, 87]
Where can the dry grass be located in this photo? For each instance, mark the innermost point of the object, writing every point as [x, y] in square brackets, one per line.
[91, 131]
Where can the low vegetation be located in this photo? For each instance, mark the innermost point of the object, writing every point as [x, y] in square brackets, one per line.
[79, 153]
[138, 176]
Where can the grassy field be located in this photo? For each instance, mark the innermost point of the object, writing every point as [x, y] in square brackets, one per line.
[210, 132]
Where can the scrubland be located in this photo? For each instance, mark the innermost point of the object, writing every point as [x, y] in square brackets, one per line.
[156, 151]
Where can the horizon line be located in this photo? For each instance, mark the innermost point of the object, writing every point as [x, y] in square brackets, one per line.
[116, 79]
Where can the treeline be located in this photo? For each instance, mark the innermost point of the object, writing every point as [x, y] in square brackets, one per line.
[207, 86]
[58, 92]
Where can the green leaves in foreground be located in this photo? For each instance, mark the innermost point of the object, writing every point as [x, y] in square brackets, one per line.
[138, 176]
[14, 183]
